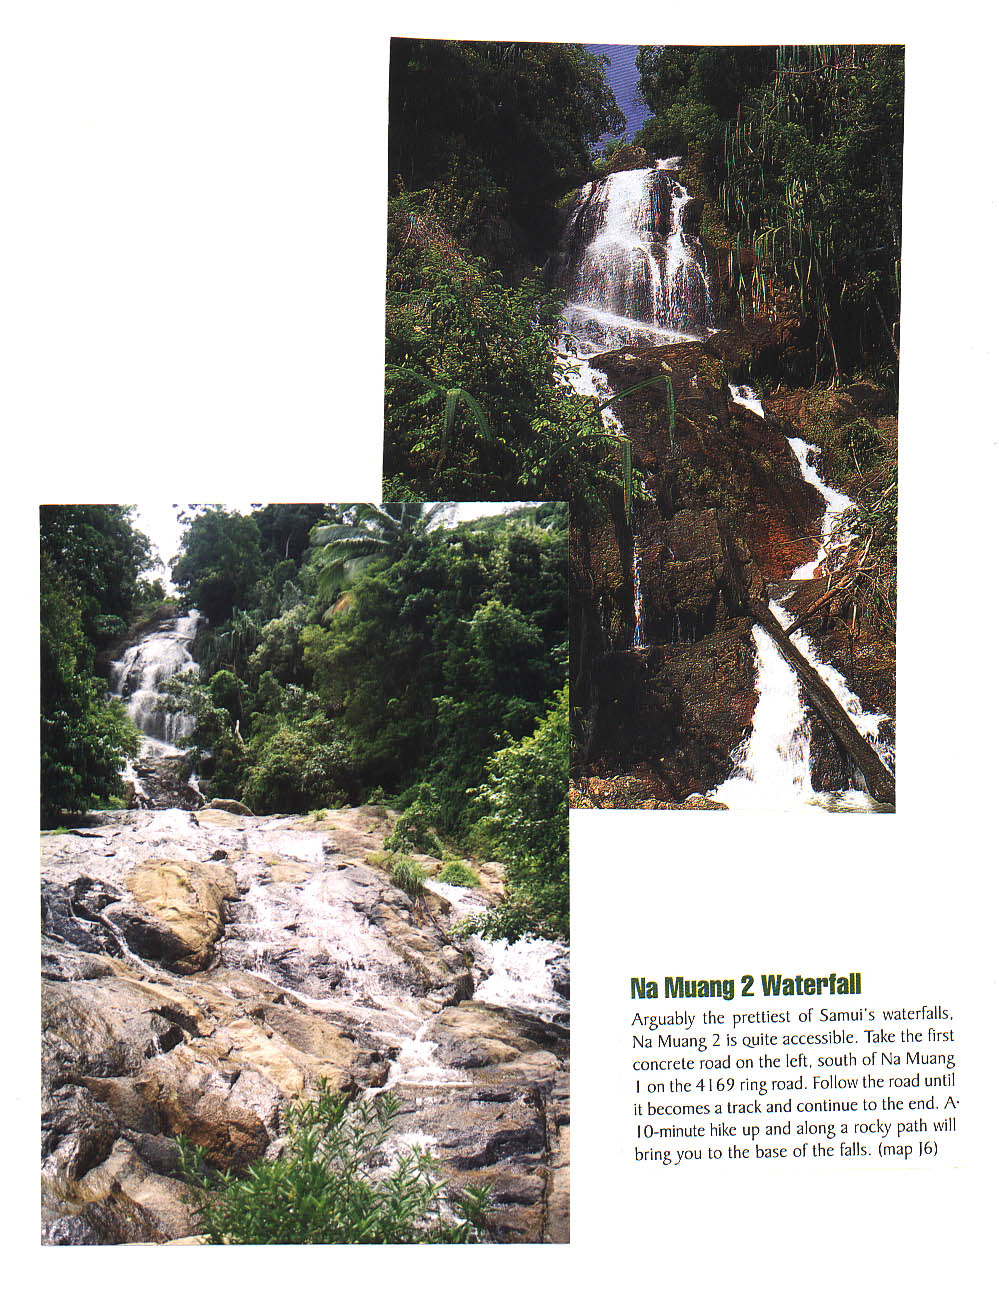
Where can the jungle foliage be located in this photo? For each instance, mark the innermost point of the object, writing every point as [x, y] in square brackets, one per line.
[803, 148]
[509, 124]
[484, 139]
[91, 561]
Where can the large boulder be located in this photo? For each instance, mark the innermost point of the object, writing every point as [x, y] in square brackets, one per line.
[178, 911]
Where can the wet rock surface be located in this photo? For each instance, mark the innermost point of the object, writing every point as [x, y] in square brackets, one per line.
[722, 513]
[714, 519]
[199, 971]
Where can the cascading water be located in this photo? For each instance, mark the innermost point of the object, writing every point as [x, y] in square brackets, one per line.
[636, 277]
[304, 926]
[632, 271]
[631, 283]
[315, 967]
[773, 765]
[638, 642]
[521, 974]
[137, 679]
[146, 666]
[837, 503]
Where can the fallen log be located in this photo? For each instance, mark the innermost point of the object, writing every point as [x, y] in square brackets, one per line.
[879, 779]
[842, 579]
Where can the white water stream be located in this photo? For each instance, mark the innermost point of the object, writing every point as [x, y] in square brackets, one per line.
[631, 284]
[137, 679]
[519, 975]
[773, 765]
[629, 281]
[142, 670]
[305, 925]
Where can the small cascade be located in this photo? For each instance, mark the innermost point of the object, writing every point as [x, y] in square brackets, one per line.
[304, 926]
[773, 765]
[524, 975]
[837, 503]
[638, 642]
[418, 1063]
[299, 928]
[586, 380]
[687, 304]
[632, 271]
[744, 395]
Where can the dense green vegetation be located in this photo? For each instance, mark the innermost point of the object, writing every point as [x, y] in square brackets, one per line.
[485, 138]
[327, 1187]
[396, 657]
[509, 125]
[90, 590]
[523, 792]
[802, 147]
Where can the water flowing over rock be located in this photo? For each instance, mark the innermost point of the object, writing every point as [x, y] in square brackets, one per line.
[160, 777]
[675, 688]
[145, 666]
[773, 765]
[200, 970]
[634, 272]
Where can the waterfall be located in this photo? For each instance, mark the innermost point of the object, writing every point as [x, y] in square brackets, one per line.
[744, 395]
[772, 767]
[639, 639]
[632, 271]
[144, 667]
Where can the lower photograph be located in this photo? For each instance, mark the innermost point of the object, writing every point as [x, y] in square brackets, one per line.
[305, 873]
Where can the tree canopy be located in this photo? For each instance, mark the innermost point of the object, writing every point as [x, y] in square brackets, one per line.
[514, 119]
[485, 140]
[803, 146]
[92, 557]
[220, 560]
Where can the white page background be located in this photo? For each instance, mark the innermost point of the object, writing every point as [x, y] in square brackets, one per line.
[194, 257]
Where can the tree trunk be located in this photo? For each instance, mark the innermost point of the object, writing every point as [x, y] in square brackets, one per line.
[879, 779]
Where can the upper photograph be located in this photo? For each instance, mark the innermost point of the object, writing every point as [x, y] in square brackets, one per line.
[663, 284]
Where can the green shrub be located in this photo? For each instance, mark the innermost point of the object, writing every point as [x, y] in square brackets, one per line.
[413, 831]
[405, 872]
[526, 804]
[455, 325]
[518, 915]
[328, 1188]
[297, 768]
[459, 874]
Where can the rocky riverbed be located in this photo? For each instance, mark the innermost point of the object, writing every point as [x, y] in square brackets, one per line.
[201, 969]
